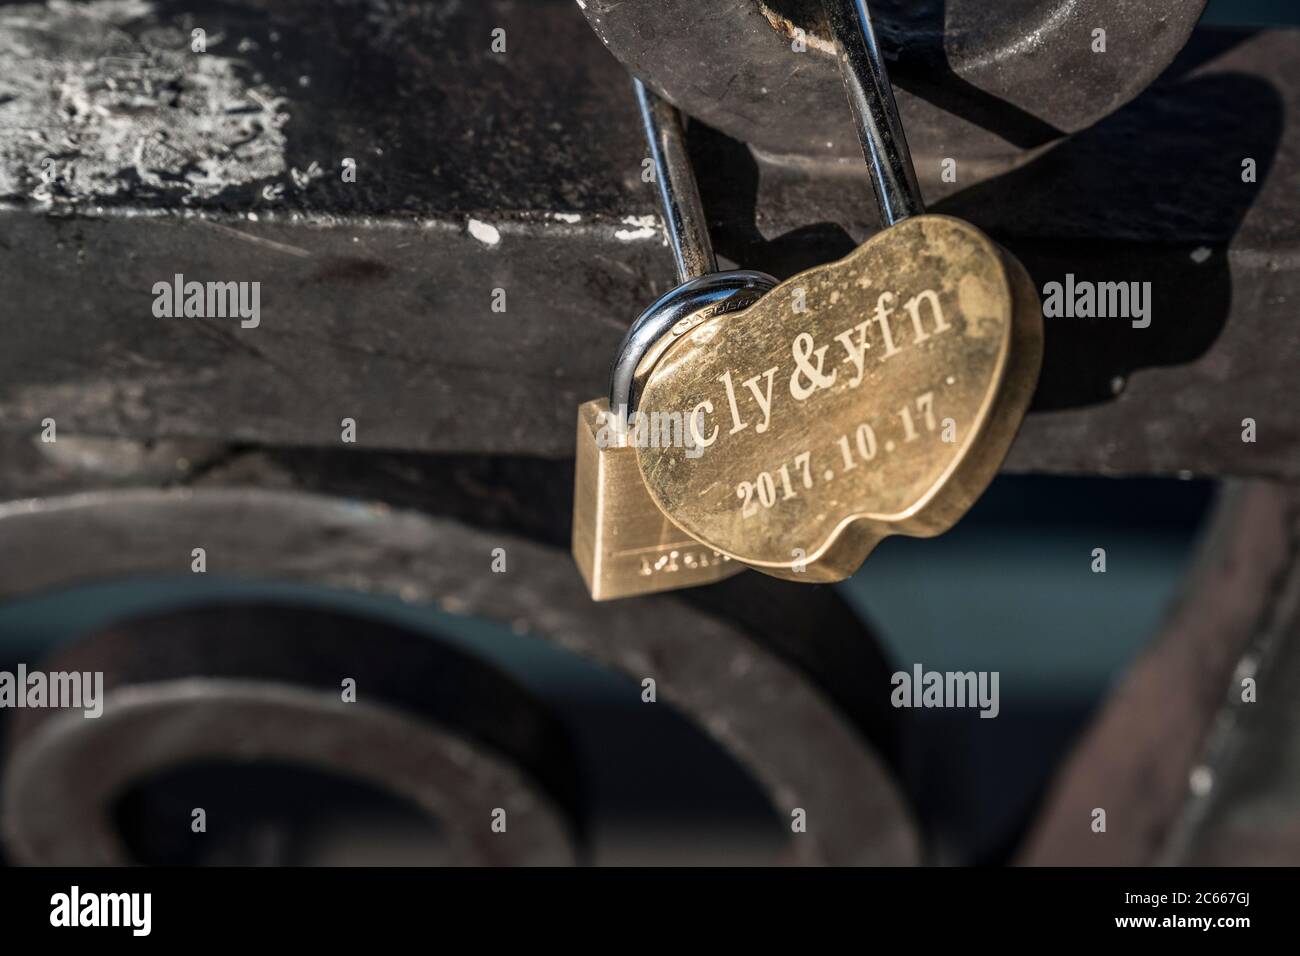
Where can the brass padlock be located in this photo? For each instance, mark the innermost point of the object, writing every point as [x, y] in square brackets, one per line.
[871, 396]
[622, 542]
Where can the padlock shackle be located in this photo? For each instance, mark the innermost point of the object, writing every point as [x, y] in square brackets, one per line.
[709, 294]
[875, 114]
[684, 223]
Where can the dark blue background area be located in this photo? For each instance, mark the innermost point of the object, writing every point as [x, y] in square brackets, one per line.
[1011, 589]
[1251, 13]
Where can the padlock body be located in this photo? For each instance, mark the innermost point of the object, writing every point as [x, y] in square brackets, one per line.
[623, 544]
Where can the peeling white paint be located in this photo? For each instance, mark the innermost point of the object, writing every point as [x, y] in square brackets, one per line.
[644, 227]
[1201, 780]
[485, 233]
[110, 103]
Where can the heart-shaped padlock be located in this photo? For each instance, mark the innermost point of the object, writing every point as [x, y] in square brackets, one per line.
[871, 396]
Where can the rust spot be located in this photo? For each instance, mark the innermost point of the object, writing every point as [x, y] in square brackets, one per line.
[351, 269]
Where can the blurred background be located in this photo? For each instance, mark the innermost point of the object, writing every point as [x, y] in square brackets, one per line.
[1009, 590]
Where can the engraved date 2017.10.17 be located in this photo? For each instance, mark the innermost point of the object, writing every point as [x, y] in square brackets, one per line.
[914, 421]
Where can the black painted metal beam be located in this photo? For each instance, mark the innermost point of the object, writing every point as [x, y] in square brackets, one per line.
[478, 171]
